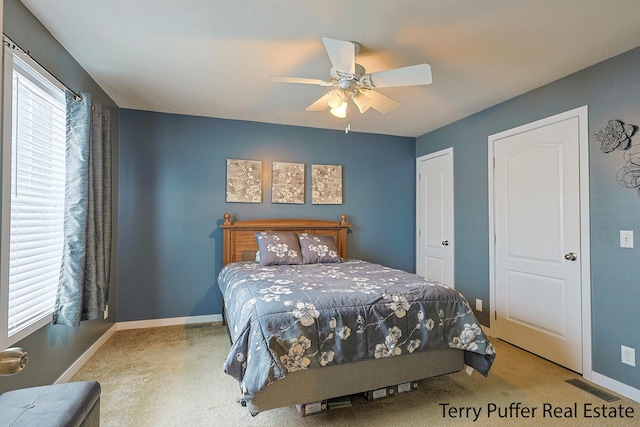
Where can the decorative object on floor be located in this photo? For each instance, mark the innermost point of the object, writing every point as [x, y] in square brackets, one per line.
[287, 183]
[629, 174]
[326, 184]
[13, 360]
[244, 181]
[615, 135]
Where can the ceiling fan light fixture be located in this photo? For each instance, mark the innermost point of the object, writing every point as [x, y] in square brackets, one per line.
[340, 111]
[335, 100]
[362, 101]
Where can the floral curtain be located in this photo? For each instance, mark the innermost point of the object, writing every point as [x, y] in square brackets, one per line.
[83, 288]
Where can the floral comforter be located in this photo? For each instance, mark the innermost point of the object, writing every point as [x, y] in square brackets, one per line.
[285, 318]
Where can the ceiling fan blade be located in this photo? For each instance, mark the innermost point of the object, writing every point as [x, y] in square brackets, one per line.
[322, 103]
[380, 102]
[405, 76]
[303, 80]
[342, 54]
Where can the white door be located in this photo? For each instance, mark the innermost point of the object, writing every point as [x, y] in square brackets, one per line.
[434, 220]
[537, 240]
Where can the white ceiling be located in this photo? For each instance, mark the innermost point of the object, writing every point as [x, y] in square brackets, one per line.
[210, 57]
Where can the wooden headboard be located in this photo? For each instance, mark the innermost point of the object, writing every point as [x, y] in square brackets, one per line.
[240, 242]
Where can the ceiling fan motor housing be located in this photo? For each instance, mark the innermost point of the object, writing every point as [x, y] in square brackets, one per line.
[349, 82]
[347, 85]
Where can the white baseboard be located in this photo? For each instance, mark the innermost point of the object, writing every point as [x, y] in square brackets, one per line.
[616, 386]
[75, 367]
[121, 326]
[173, 321]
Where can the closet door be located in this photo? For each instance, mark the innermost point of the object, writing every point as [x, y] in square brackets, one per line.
[434, 217]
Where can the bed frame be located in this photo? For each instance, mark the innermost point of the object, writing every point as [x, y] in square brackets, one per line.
[337, 380]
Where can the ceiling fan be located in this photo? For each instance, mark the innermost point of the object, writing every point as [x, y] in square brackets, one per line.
[351, 82]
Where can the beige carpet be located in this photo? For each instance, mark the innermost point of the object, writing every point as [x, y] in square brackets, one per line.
[172, 376]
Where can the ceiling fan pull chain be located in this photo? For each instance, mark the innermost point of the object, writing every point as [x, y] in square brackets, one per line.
[348, 128]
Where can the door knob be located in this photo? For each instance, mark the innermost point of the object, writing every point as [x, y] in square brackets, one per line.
[445, 243]
[571, 256]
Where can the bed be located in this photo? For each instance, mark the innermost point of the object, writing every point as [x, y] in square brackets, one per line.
[319, 325]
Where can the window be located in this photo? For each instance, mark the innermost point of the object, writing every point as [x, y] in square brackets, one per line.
[33, 182]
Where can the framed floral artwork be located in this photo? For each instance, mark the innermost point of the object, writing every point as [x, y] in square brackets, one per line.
[287, 183]
[326, 184]
[244, 181]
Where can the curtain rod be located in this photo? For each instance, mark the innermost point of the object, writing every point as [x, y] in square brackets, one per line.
[11, 45]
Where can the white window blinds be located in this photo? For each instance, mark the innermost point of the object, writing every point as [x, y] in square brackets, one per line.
[37, 196]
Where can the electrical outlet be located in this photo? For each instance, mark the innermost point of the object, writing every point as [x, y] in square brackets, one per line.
[478, 305]
[628, 355]
[626, 238]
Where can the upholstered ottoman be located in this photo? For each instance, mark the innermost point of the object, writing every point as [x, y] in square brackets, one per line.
[67, 404]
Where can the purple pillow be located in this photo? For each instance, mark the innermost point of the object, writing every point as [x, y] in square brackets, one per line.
[278, 248]
[317, 249]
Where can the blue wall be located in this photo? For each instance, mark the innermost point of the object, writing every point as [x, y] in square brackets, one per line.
[172, 200]
[612, 91]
